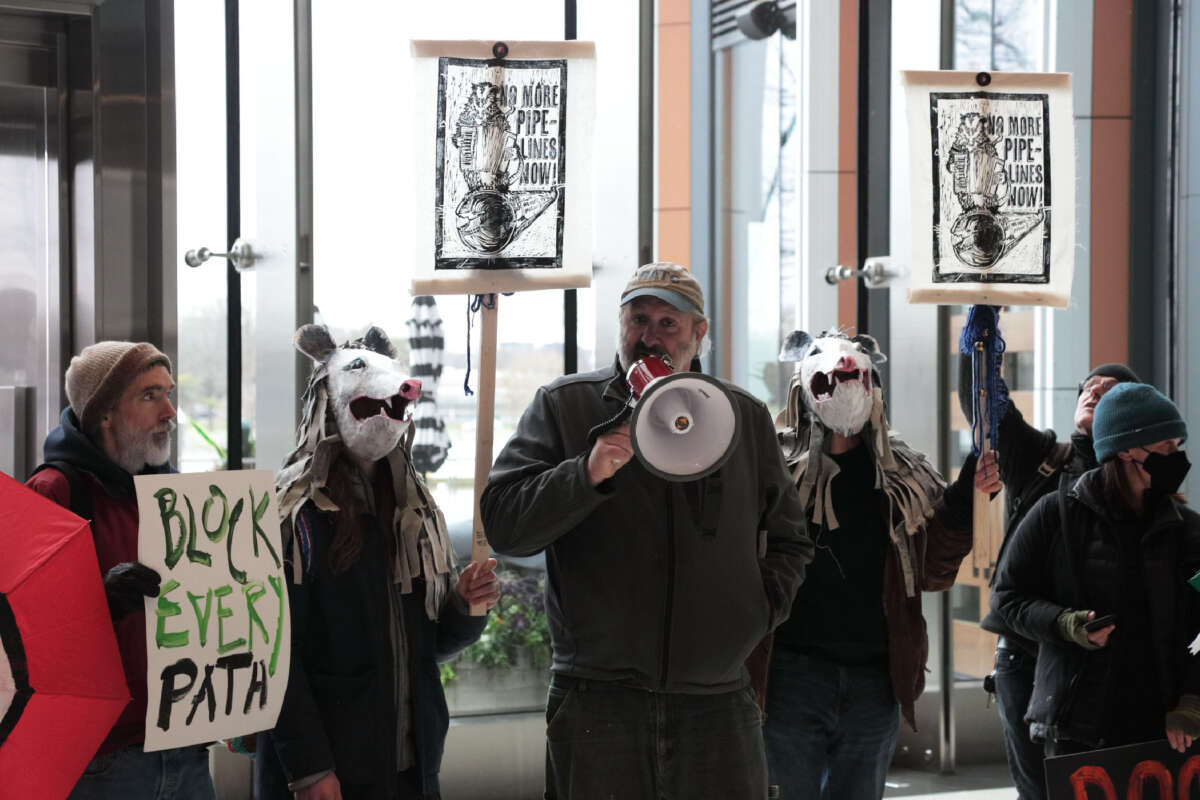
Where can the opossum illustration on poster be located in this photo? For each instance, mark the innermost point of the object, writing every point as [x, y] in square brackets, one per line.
[501, 163]
[991, 187]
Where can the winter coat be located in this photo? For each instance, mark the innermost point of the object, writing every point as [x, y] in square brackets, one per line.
[1031, 462]
[338, 709]
[942, 543]
[661, 585]
[1049, 567]
[115, 533]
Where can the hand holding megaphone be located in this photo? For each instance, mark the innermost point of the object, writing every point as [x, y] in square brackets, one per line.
[611, 451]
[684, 425]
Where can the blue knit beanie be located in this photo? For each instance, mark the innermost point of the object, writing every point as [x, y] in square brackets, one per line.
[1134, 415]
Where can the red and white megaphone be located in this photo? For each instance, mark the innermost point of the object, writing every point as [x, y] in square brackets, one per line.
[684, 424]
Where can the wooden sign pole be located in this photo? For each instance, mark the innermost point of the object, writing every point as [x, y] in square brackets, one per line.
[484, 423]
[982, 517]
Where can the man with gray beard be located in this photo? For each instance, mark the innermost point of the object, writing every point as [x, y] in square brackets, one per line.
[657, 590]
[118, 425]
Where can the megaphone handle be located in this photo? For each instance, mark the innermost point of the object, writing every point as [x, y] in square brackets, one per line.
[608, 424]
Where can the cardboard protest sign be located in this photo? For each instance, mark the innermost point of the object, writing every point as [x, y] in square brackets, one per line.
[218, 636]
[993, 187]
[503, 171]
[1150, 770]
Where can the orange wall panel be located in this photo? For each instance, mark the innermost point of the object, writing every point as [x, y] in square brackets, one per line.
[674, 115]
[1110, 240]
[848, 160]
[674, 235]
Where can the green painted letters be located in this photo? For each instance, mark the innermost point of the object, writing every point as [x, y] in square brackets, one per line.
[165, 609]
[202, 617]
[215, 534]
[166, 510]
[222, 613]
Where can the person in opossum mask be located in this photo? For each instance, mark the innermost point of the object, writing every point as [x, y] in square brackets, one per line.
[657, 590]
[375, 599]
[850, 660]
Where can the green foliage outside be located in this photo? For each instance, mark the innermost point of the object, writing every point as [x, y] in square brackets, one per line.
[516, 624]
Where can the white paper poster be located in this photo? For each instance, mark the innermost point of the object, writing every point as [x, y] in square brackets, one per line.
[218, 636]
[993, 187]
[503, 166]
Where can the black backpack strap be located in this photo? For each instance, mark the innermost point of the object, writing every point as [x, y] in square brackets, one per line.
[80, 487]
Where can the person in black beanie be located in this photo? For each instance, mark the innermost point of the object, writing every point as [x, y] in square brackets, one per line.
[1118, 543]
[1031, 462]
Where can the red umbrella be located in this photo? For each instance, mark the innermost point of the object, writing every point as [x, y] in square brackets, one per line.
[61, 682]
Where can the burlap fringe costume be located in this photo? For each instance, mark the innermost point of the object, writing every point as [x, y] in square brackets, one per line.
[422, 541]
[909, 482]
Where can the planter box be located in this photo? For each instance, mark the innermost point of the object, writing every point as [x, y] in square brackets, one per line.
[493, 690]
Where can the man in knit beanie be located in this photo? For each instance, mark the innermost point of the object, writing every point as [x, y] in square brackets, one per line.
[119, 424]
[1031, 462]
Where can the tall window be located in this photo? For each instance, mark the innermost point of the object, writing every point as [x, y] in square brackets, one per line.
[758, 230]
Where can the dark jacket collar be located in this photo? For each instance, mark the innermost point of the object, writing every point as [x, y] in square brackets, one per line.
[1090, 491]
[68, 443]
[1084, 449]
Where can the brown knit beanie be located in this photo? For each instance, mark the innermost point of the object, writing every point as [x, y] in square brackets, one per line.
[98, 375]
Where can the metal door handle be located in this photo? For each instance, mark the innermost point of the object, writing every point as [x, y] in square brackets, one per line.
[877, 272]
[240, 255]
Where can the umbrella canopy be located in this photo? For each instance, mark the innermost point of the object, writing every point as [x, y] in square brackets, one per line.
[426, 346]
[61, 682]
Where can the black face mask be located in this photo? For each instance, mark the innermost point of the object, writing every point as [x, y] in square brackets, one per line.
[1166, 471]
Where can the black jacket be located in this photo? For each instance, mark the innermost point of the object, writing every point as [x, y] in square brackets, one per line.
[1031, 464]
[661, 585]
[1047, 569]
[337, 710]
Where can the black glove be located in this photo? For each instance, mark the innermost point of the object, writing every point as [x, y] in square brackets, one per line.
[961, 492]
[126, 584]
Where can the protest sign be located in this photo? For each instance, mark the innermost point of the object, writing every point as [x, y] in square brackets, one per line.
[218, 636]
[1151, 770]
[503, 166]
[993, 187]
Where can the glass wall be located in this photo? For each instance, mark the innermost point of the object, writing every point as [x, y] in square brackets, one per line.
[201, 373]
[363, 214]
[1013, 35]
[757, 86]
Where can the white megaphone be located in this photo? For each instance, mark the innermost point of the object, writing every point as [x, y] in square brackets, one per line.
[684, 423]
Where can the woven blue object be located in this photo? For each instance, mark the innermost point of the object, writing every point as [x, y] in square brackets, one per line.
[981, 340]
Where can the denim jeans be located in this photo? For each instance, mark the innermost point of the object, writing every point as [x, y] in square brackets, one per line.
[180, 774]
[1014, 687]
[604, 740]
[831, 729]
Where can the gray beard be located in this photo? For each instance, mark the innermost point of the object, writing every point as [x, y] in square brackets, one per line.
[136, 449]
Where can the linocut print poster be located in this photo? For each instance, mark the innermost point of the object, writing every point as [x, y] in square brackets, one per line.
[991, 187]
[502, 166]
[992, 175]
[501, 163]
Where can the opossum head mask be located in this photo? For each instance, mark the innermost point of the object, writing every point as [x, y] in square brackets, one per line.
[370, 395]
[837, 376]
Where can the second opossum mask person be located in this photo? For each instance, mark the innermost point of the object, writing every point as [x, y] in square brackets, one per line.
[369, 393]
[837, 376]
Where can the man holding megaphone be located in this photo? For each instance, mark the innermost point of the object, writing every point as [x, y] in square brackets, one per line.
[674, 539]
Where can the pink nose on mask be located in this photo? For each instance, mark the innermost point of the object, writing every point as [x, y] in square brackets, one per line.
[410, 389]
[846, 363]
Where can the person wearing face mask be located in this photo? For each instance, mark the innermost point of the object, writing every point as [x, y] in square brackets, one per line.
[1031, 463]
[1117, 543]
